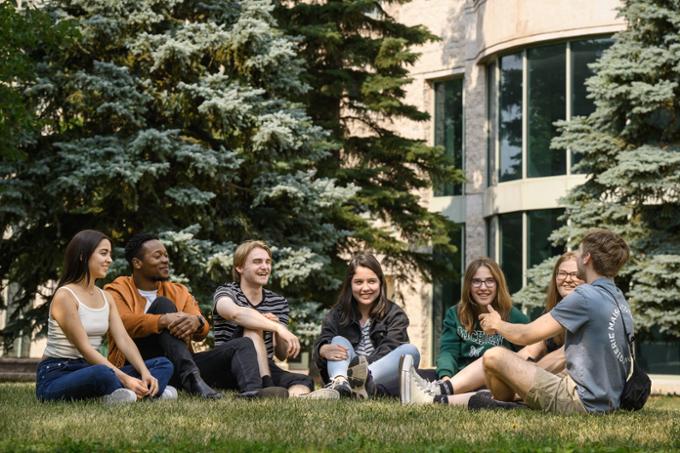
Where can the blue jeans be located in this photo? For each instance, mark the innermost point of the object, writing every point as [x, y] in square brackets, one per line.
[76, 379]
[385, 371]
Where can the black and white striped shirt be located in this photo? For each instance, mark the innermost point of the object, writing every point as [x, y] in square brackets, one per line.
[365, 346]
[228, 330]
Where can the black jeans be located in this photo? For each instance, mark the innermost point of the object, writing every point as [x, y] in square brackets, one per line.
[230, 366]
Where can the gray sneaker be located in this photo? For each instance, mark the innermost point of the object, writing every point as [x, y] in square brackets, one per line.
[169, 394]
[411, 388]
[359, 377]
[120, 396]
[322, 394]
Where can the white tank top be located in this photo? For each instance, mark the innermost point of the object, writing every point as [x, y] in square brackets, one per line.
[95, 322]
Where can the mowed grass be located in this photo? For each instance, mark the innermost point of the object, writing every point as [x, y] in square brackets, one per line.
[194, 425]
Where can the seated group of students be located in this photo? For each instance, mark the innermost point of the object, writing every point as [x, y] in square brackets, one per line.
[577, 357]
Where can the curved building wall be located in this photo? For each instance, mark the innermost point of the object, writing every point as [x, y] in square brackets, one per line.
[503, 218]
[504, 24]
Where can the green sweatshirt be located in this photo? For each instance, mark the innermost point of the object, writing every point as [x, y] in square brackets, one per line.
[459, 348]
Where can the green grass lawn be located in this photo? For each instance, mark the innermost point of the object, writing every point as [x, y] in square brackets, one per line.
[191, 424]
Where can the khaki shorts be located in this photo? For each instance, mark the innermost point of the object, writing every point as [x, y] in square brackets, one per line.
[554, 393]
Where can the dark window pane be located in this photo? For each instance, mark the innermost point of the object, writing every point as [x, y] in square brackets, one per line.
[546, 104]
[448, 131]
[510, 118]
[583, 53]
[446, 291]
[491, 239]
[658, 353]
[491, 108]
[510, 226]
[540, 224]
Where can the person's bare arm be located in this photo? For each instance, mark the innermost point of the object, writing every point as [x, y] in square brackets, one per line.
[129, 349]
[523, 334]
[65, 312]
[250, 318]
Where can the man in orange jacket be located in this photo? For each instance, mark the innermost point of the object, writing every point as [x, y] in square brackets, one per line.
[162, 318]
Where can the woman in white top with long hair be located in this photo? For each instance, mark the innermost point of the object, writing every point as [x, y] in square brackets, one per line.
[80, 315]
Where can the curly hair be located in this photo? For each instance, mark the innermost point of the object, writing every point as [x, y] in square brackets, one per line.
[135, 244]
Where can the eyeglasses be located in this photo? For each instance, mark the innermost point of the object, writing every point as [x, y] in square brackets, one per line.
[562, 275]
[489, 282]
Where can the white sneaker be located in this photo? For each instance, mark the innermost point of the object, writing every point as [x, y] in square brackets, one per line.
[170, 393]
[120, 396]
[322, 394]
[432, 387]
[411, 387]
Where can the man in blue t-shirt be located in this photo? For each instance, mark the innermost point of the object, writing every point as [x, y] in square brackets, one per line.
[597, 351]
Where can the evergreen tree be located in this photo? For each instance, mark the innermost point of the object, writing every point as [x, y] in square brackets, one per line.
[357, 59]
[175, 117]
[630, 148]
[25, 37]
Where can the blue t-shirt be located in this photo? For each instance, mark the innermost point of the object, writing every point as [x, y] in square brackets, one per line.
[598, 356]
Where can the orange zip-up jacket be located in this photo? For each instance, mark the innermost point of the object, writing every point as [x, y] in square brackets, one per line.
[139, 324]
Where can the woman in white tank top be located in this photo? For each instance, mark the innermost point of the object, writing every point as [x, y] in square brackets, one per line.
[80, 315]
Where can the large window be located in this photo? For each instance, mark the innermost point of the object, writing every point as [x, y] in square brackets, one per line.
[510, 117]
[527, 92]
[519, 241]
[448, 127]
[546, 91]
[446, 291]
[540, 225]
[510, 259]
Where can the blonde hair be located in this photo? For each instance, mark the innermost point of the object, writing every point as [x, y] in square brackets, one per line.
[468, 309]
[242, 252]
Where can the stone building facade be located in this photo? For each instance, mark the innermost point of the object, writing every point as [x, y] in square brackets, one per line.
[502, 73]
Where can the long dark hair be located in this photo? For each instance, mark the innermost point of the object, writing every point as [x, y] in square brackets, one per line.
[346, 303]
[77, 255]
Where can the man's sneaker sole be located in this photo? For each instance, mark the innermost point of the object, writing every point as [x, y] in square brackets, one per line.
[357, 375]
[273, 392]
[405, 365]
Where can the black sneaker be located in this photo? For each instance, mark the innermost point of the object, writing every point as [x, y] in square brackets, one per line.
[195, 385]
[341, 385]
[484, 400]
[266, 392]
